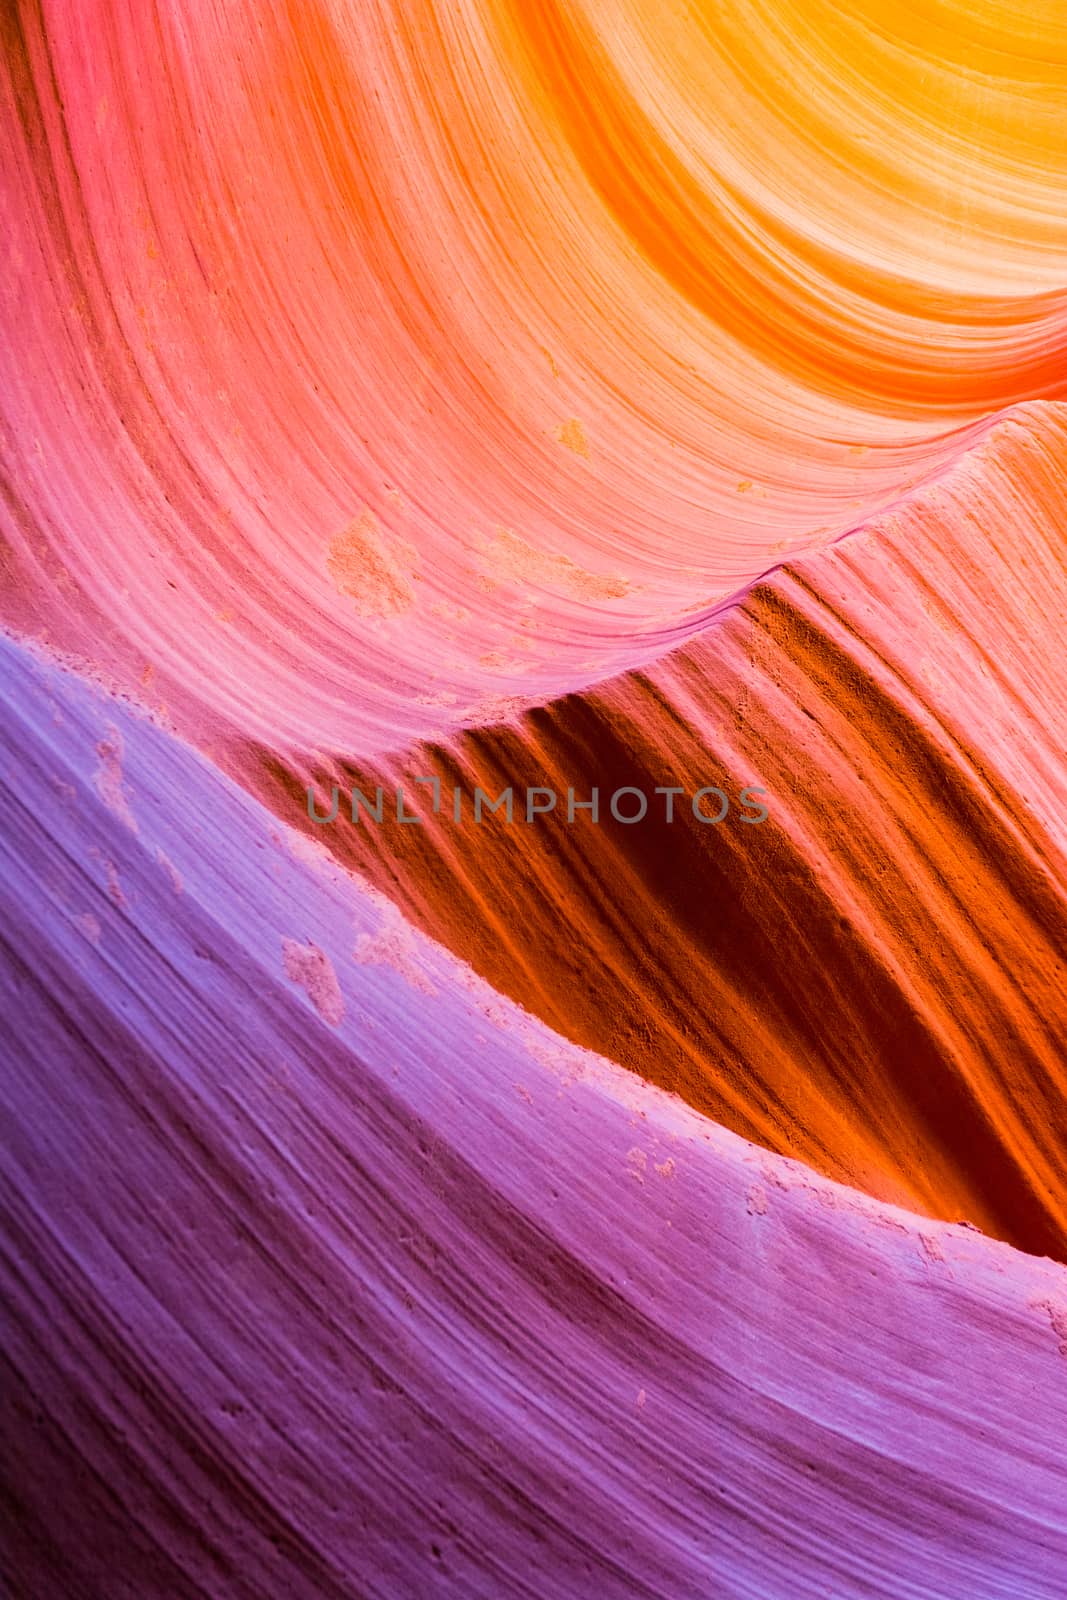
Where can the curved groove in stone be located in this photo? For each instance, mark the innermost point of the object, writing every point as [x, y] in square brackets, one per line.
[873, 979]
[329, 1272]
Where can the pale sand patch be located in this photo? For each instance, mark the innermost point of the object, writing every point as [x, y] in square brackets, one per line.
[108, 778]
[373, 570]
[510, 556]
[572, 434]
[312, 969]
[393, 946]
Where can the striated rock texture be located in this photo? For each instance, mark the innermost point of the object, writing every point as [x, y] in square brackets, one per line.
[552, 396]
[317, 318]
[875, 977]
[328, 1275]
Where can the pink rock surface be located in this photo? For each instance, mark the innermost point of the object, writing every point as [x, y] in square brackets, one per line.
[872, 979]
[567, 389]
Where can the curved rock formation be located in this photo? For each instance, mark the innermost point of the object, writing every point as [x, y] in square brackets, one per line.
[553, 396]
[872, 979]
[310, 1287]
[395, 359]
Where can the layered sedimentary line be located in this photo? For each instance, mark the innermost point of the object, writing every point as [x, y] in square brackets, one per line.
[330, 1272]
[872, 979]
[397, 359]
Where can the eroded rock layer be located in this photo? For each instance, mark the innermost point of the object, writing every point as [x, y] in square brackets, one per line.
[554, 396]
[310, 1284]
[874, 977]
[392, 358]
